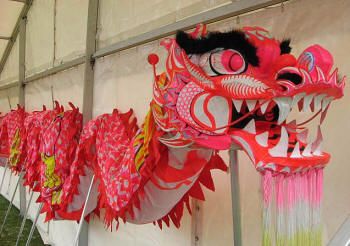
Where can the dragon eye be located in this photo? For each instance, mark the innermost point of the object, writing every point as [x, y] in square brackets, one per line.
[227, 62]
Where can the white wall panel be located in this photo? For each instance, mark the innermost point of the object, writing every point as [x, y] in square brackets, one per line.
[122, 19]
[40, 36]
[71, 18]
[67, 87]
[11, 68]
[9, 12]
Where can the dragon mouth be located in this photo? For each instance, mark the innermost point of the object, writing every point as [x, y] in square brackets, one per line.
[261, 129]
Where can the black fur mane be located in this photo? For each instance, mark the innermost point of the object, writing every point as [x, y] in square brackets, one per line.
[228, 40]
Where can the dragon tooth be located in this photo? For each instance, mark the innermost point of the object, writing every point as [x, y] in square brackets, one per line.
[307, 150]
[238, 104]
[264, 104]
[250, 127]
[284, 106]
[280, 150]
[307, 102]
[316, 145]
[296, 151]
[251, 104]
[262, 138]
[291, 126]
[326, 102]
[317, 102]
[302, 136]
[297, 98]
[324, 114]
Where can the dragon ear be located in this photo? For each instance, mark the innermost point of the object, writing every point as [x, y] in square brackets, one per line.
[57, 105]
[200, 31]
[72, 105]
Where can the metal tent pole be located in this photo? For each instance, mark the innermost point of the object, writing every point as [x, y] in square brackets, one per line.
[235, 194]
[81, 222]
[34, 224]
[11, 203]
[21, 97]
[3, 175]
[24, 218]
[83, 230]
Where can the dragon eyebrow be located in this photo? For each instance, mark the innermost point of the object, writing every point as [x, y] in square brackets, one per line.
[285, 47]
[229, 40]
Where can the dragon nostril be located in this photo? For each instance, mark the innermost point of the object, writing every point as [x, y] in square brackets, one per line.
[292, 77]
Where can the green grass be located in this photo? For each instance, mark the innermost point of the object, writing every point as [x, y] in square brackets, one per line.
[8, 236]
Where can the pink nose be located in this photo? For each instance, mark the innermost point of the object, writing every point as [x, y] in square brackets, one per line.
[285, 60]
[316, 56]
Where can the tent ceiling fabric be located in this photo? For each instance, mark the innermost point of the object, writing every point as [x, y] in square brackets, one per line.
[9, 13]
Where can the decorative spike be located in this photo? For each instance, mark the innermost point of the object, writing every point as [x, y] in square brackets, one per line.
[262, 139]
[320, 75]
[296, 151]
[250, 127]
[306, 77]
[342, 83]
[333, 78]
[280, 150]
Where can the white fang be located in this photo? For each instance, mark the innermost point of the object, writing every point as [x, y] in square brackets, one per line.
[280, 150]
[250, 127]
[296, 151]
[284, 106]
[262, 138]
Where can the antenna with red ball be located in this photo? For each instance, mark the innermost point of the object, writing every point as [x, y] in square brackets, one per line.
[153, 59]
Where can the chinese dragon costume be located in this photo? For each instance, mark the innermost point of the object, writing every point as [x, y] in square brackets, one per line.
[219, 90]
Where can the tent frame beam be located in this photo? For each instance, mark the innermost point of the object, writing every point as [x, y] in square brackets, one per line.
[5, 38]
[14, 34]
[21, 99]
[88, 94]
[217, 14]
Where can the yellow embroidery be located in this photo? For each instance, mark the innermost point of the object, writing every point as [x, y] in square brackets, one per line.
[52, 179]
[142, 140]
[14, 150]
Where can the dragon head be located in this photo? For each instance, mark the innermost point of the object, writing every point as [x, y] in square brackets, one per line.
[239, 87]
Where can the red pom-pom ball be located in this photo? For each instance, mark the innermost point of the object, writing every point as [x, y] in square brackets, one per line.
[153, 59]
